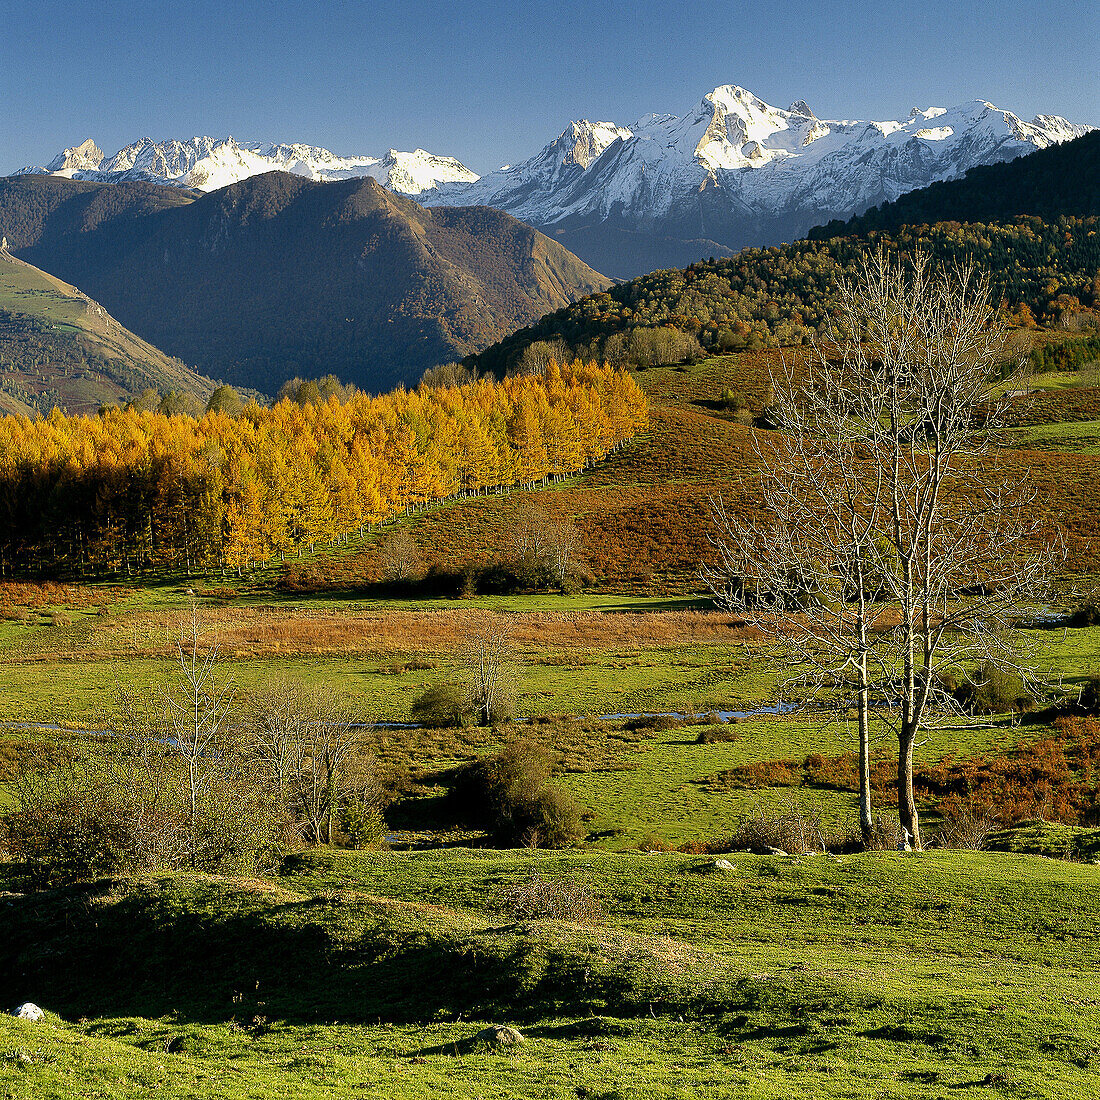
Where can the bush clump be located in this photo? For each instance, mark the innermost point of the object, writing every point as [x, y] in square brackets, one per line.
[543, 897]
[1088, 614]
[794, 827]
[121, 807]
[442, 706]
[990, 690]
[714, 735]
[508, 794]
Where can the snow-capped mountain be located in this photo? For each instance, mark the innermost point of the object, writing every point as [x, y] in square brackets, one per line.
[735, 171]
[208, 163]
[730, 172]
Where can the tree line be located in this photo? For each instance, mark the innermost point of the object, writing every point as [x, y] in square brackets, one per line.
[130, 490]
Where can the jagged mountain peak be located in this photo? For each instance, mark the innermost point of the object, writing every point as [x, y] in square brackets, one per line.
[209, 163]
[735, 170]
[85, 156]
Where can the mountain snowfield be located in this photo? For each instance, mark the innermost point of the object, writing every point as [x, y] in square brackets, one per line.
[209, 164]
[759, 155]
[730, 172]
[736, 171]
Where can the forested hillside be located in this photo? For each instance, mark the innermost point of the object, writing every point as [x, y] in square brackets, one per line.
[128, 490]
[784, 296]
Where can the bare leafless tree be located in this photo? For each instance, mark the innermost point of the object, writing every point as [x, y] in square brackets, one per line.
[563, 550]
[490, 667]
[399, 555]
[895, 548]
[313, 753]
[551, 542]
[195, 711]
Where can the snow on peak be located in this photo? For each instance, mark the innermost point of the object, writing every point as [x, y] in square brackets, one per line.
[85, 156]
[732, 157]
[584, 141]
[209, 163]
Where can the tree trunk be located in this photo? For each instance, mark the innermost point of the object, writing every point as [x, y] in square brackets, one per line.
[866, 822]
[907, 806]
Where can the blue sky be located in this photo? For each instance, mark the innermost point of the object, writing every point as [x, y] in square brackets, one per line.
[491, 82]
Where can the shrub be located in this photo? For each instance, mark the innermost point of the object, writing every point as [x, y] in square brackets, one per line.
[544, 898]
[550, 820]
[965, 826]
[734, 400]
[885, 835]
[120, 806]
[1089, 699]
[658, 723]
[1088, 614]
[507, 794]
[362, 824]
[713, 736]
[794, 827]
[991, 690]
[441, 706]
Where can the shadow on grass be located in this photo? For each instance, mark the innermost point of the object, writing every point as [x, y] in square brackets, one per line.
[208, 950]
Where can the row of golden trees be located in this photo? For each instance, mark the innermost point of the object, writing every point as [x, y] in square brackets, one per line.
[129, 490]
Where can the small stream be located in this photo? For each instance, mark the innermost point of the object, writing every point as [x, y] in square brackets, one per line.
[720, 715]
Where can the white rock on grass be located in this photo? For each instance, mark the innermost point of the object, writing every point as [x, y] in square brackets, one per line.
[28, 1011]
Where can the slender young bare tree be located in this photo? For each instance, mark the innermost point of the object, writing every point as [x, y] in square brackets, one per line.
[896, 546]
[195, 713]
[551, 542]
[313, 754]
[489, 661]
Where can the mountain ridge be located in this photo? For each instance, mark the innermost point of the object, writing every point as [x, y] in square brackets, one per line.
[278, 276]
[736, 171]
[667, 190]
[208, 164]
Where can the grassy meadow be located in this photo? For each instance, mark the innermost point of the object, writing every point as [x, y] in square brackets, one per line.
[884, 975]
[372, 973]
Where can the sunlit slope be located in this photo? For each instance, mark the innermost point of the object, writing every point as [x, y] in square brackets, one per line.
[59, 347]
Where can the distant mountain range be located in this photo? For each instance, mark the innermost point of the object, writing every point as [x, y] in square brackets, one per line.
[278, 275]
[209, 163]
[1059, 182]
[670, 189]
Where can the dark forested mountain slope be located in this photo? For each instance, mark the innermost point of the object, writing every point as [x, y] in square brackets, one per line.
[278, 276]
[1062, 181]
[784, 296]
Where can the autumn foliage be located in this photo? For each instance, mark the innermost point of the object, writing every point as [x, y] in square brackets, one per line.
[129, 489]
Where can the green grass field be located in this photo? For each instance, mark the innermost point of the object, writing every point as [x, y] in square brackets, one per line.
[923, 976]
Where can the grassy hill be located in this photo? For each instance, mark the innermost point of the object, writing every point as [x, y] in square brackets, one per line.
[279, 276]
[59, 348]
[901, 977]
